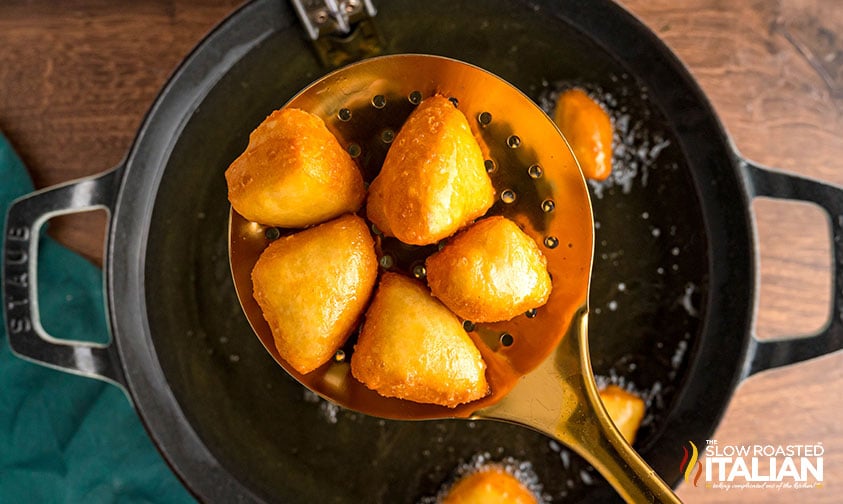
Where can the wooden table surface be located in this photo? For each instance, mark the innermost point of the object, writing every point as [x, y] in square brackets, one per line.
[76, 80]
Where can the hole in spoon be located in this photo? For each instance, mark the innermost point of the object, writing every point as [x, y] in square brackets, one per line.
[484, 118]
[508, 196]
[419, 271]
[386, 261]
[354, 150]
[272, 233]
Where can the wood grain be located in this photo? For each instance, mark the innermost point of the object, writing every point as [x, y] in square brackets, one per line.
[76, 81]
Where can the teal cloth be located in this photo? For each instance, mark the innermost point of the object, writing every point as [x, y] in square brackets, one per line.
[64, 438]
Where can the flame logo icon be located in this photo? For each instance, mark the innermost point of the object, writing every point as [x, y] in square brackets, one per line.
[689, 460]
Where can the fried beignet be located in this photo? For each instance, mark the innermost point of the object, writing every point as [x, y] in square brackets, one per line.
[490, 272]
[313, 286]
[588, 129]
[294, 173]
[490, 485]
[625, 408]
[412, 347]
[433, 181]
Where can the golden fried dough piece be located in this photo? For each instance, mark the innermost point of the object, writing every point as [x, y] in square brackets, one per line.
[313, 286]
[625, 408]
[588, 129]
[294, 173]
[413, 348]
[490, 272]
[433, 181]
[490, 485]
[375, 208]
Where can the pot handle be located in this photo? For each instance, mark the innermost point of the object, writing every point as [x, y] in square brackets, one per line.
[27, 337]
[763, 355]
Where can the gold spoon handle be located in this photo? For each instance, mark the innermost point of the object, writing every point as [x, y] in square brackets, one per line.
[571, 411]
[624, 469]
[591, 433]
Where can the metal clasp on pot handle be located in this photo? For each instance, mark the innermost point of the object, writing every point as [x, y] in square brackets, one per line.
[332, 17]
[341, 30]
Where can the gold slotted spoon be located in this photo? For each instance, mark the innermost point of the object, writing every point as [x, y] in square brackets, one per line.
[538, 363]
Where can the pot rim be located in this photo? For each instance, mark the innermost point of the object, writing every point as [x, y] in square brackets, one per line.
[140, 175]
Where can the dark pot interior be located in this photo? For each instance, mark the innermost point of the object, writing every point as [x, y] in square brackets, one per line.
[648, 299]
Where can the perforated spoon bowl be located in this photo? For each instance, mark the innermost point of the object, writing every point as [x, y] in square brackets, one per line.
[539, 369]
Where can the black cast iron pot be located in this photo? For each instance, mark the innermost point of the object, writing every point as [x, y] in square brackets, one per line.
[675, 232]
